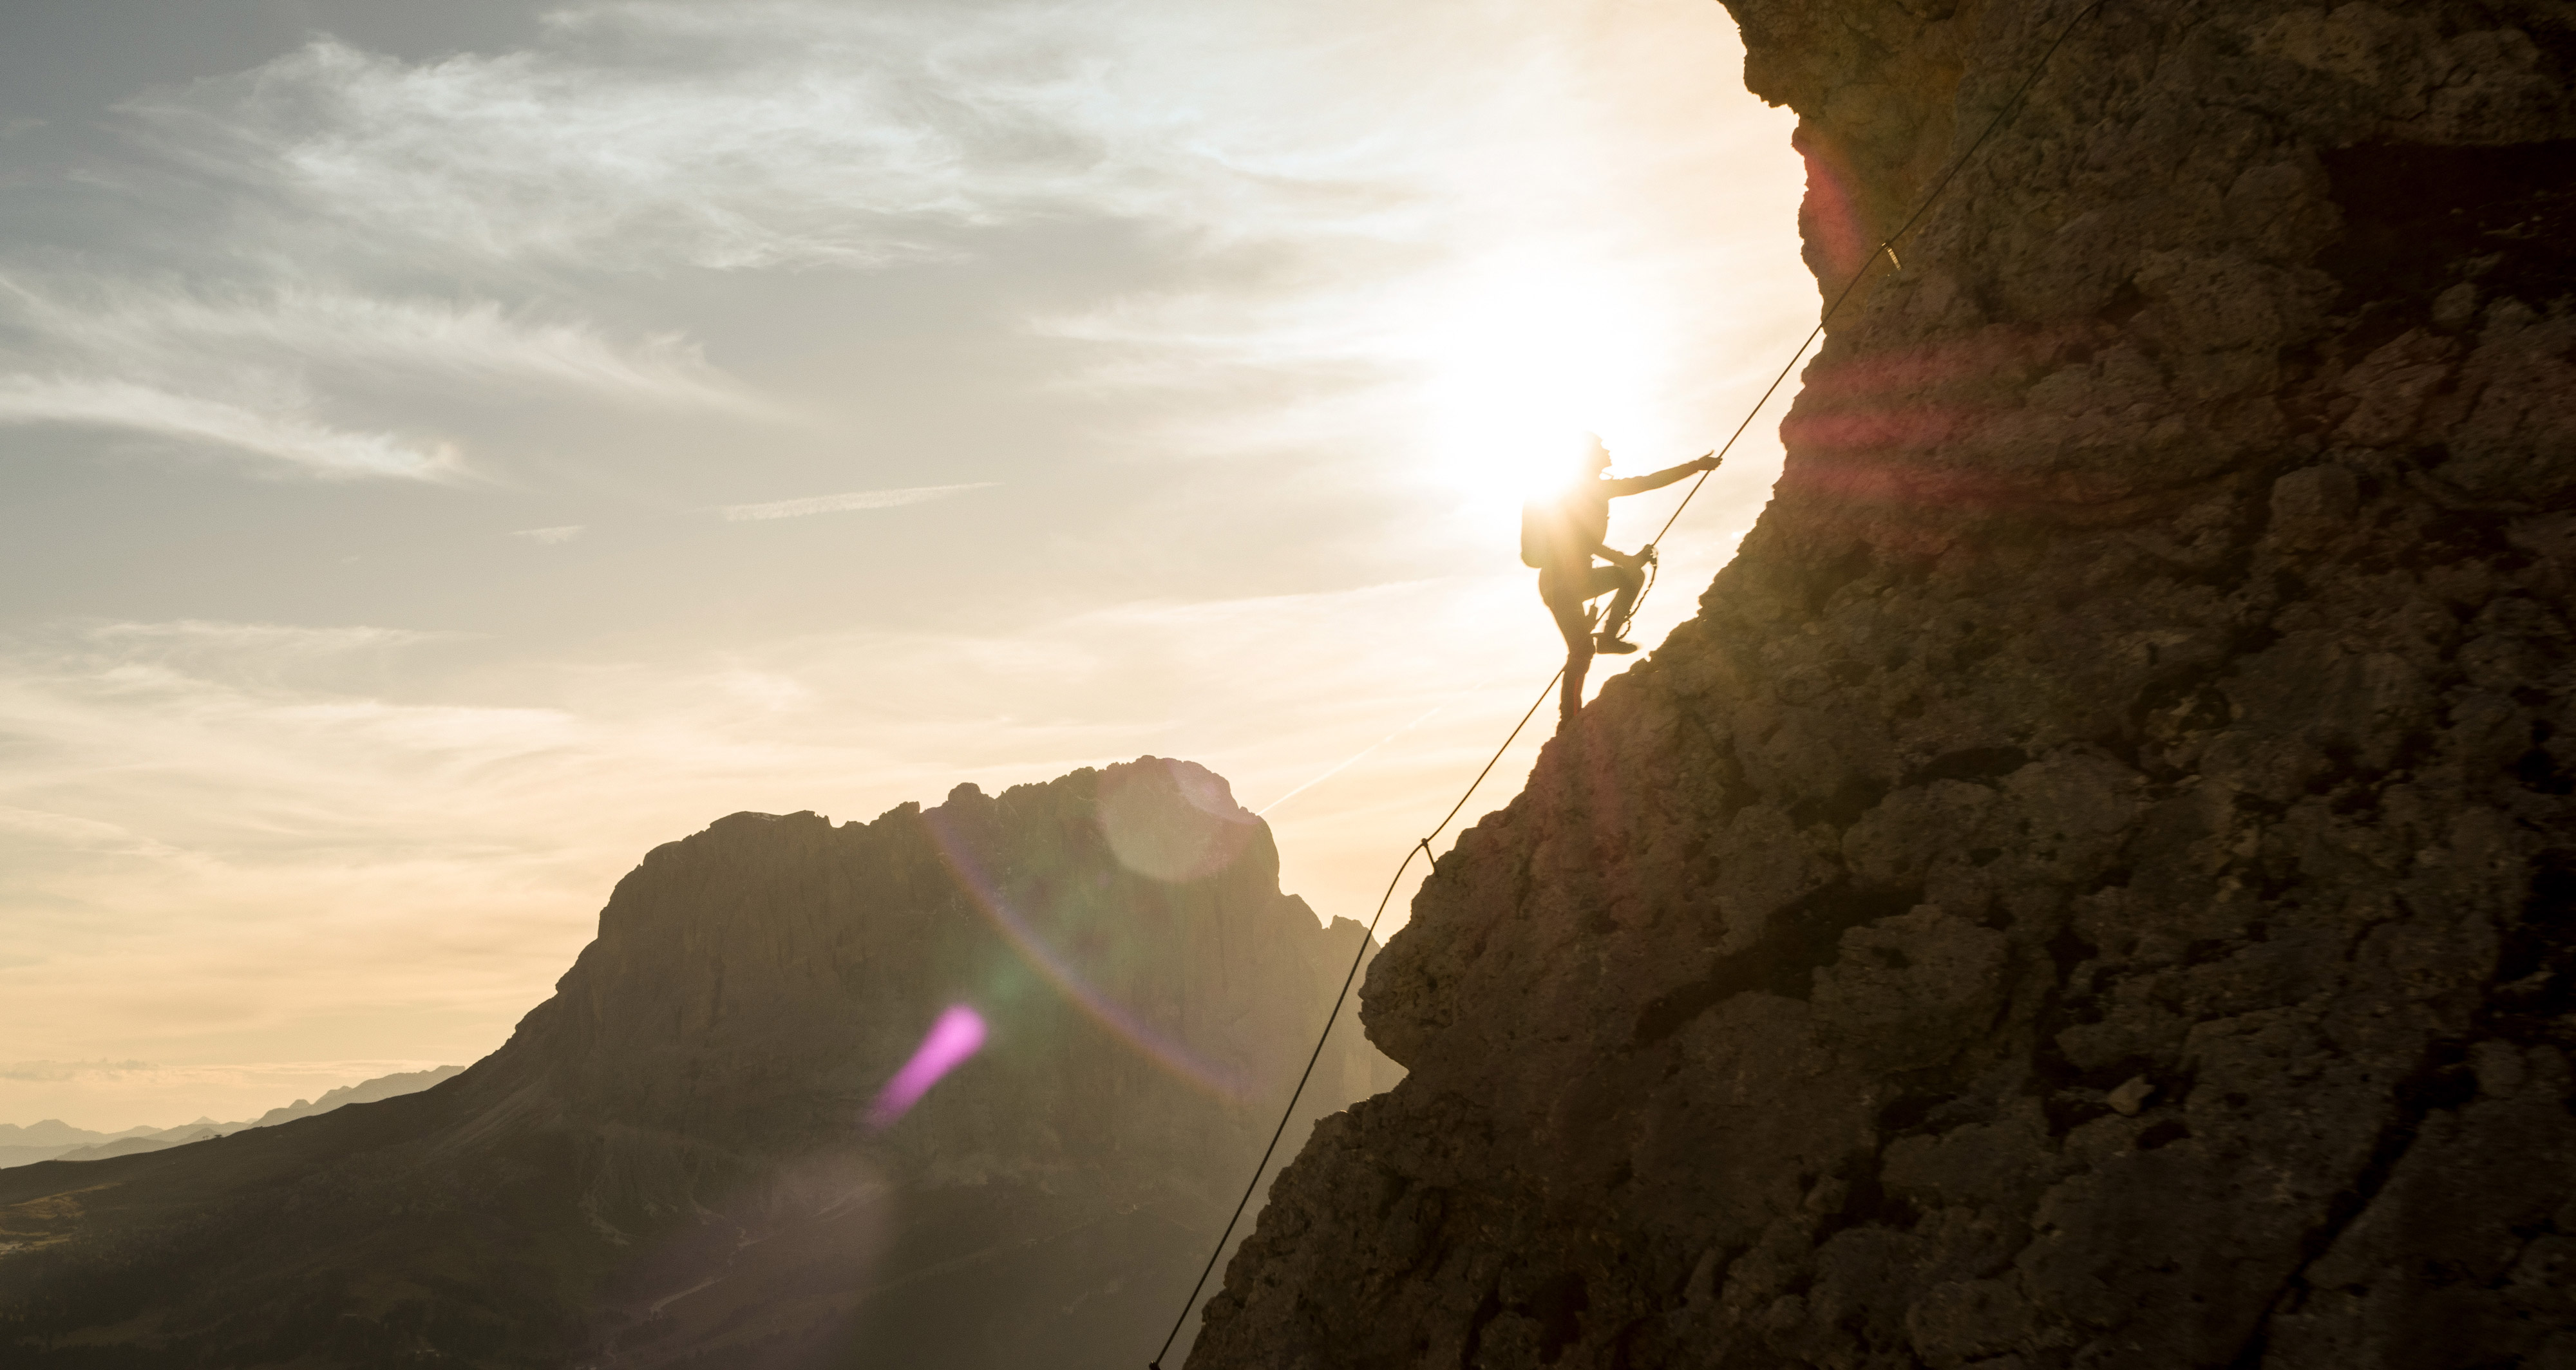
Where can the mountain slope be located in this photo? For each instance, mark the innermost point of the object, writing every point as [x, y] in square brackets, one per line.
[679, 1159]
[363, 1092]
[54, 1140]
[2094, 885]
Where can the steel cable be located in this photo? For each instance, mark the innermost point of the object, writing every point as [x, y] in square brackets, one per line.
[1422, 846]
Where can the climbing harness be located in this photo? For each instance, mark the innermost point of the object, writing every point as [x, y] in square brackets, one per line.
[1654, 563]
[1422, 846]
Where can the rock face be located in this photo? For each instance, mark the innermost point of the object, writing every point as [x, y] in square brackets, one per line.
[2096, 883]
[689, 1156]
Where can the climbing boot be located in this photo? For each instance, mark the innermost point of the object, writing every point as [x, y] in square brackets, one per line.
[1609, 645]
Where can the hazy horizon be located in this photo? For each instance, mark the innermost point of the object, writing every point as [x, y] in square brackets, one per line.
[457, 450]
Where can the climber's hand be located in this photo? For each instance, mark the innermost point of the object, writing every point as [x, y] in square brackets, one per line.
[1708, 462]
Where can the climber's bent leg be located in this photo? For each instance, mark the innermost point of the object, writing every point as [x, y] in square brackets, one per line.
[1629, 582]
[1564, 596]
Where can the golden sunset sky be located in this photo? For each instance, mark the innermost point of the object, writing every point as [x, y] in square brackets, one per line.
[453, 449]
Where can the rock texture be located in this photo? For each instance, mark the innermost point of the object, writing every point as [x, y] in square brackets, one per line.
[671, 1162]
[2096, 883]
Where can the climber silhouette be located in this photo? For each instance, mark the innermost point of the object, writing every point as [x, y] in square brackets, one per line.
[1561, 534]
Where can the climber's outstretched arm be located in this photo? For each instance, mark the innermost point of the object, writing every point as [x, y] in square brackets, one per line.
[1638, 485]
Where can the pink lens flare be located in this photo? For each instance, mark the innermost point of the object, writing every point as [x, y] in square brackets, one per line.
[1035, 952]
[1827, 213]
[958, 1034]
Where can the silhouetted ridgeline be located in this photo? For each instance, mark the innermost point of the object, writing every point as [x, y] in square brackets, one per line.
[2096, 884]
[674, 1161]
[54, 1140]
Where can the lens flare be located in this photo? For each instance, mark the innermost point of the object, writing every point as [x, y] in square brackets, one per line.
[1172, 843]
[958, 1034]
[1828, 215]
[1034, 950]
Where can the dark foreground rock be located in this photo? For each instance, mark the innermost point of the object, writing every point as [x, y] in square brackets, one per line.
[672, 1162]
[2096, 884]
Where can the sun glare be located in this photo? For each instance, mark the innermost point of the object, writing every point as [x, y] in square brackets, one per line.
[1534, 351]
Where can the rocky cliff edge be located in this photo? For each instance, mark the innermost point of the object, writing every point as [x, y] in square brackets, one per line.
[2095, 884]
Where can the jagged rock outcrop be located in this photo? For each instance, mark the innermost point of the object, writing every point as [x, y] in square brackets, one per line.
[2096, 883]
[677, 1160]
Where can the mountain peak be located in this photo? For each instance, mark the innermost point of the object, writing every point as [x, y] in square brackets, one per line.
[1092, 992]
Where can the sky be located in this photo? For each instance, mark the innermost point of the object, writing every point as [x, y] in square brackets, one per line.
[446, 451]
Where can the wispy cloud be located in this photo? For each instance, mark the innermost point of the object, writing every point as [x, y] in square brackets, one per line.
[551, 536]
[539, 156]
[771, 135]
[223, 645]
[234, 369]
[856, 499]
[159, 328]
[291, 440]
[53, 1072]
[82, 834]
[263, 639]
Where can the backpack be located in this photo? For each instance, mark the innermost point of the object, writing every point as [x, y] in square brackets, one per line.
[1553, 530]
[1542, 533]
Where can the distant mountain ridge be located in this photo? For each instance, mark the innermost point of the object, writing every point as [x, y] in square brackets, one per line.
[56, 1132]
[363, 1092]
[56, 1140]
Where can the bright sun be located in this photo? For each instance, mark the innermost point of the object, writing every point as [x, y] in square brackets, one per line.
[1533, 352]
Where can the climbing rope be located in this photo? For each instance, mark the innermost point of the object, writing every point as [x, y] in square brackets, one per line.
[1368, 939]
[1886, 245]
[1422, 846]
